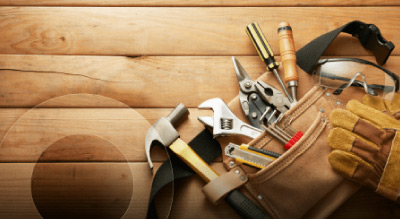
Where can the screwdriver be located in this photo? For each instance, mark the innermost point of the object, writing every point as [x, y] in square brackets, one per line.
[265, 52]
[288, 57]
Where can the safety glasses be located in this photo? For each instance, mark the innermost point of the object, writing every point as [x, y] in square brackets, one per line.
[341, 73]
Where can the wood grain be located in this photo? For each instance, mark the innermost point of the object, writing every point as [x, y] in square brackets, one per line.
[177, 31]
[149, 81]
[161, 81]
[90, 64]
[16, 197]
[27, 134]
[224, 3]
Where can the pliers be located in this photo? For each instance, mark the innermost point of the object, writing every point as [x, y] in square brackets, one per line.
[259, 100]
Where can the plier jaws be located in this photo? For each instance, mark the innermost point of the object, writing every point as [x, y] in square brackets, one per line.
[272, 95]
[246, 86]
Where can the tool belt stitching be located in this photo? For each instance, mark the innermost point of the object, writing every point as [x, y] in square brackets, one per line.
[287, 158]
[260, 143]
[264, 202]
[299, 111]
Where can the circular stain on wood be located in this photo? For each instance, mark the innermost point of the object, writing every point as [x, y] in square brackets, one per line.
[65, 187]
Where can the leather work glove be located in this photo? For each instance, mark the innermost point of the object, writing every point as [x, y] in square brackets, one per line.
[366, 147]
[391, 108]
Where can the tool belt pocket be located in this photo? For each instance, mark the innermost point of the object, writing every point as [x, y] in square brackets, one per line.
[292, 184]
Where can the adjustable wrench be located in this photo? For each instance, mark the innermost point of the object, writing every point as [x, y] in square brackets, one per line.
[224, 122]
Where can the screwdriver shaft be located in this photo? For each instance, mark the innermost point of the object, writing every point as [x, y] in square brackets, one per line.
[283, 85]
[265, 52]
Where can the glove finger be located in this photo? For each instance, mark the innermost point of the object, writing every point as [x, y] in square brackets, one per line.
[394, 106]
[344, 140]
[351, 122]
[378, 103]
[353, 167]
[375, 116]
[375, 102]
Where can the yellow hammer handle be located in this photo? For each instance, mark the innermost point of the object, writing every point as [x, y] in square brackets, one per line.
[187, 155]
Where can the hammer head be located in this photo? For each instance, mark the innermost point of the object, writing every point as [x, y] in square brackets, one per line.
[163, 131]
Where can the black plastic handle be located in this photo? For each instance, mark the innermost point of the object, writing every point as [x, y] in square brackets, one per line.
[244, 206]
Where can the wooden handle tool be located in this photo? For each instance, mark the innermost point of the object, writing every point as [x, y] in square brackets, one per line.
[244, 206]
[288, 57]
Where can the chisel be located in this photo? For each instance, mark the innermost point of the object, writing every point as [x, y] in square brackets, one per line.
[288, 57]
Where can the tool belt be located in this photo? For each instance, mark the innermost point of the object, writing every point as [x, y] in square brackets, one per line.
[296, 183]
[301, 182]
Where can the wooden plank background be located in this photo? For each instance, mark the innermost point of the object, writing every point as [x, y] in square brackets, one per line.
[77, 72]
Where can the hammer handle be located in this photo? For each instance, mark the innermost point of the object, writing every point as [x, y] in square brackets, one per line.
[244, 206]
[239, 202]
[187, 155]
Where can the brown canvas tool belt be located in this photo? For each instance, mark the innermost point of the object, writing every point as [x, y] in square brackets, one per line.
[300, 183]
[297, 181]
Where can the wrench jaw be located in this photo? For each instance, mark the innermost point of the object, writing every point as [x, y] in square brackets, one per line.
[224, 122]
[206, 120]
[209, 122]
[223, 119]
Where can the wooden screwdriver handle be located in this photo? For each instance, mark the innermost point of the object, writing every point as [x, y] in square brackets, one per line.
[288, 53]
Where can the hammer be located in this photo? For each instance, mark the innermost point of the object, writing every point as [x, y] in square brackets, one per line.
[163, 132]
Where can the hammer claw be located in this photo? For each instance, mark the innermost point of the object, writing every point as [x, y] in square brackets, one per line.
[163, 131]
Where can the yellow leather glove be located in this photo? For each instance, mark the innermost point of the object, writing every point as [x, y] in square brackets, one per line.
[366, 147]
[391, 108]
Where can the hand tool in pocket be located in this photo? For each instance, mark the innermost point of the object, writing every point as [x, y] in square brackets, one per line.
[271, 109]
[259, 98]
[164, 132]
[366, 147]
[265, 52]
[224, 122]
[288, 57]
[251, 156]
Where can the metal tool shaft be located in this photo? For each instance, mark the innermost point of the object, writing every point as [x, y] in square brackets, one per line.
[288, 57]
[256, 36]
[282, 85]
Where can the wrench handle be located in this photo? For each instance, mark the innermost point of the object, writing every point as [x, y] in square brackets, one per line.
[250, 131]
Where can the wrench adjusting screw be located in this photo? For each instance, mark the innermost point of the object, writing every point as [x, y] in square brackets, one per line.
[226, 124]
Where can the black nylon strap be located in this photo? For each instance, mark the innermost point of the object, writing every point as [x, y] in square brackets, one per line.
[368, 34]
[203, 144]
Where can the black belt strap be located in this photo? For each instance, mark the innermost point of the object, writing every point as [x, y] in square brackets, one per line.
[307, 57]
[203, 144]
[368, 34]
